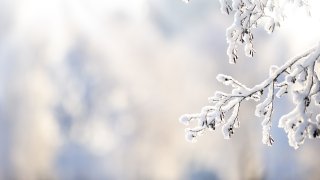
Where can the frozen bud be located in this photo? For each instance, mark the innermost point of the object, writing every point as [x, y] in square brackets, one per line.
[191, 136]
[273, 69]
[283, 90]
[206, 109]
[302, 76]
[248, 49]
[222, 78]
[260, 110]
[313, 130]
[232, 34]
[271, 25]
[185, 119]
[255, 97]
[283, 122]
[227, 130]
[202, 118]
[316, 133]
[246, 37]
[297, 97]
[290, 79]
[211, 116]
[232, 53]
[226, 7]
[219, 94]
[226, 80]
[307, 101]
[213, 99]
[237, 91]
[212, 126]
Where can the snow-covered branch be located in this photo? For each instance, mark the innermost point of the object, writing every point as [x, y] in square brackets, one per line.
[299, 78]
[249, 14]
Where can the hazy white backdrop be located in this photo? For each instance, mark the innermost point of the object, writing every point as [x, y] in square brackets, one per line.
[93, 89]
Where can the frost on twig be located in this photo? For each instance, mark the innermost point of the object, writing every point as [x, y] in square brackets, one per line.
[298, 77]
[248, 14]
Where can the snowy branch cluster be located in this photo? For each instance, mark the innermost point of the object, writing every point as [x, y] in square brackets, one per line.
[248, 14]
[298, 77]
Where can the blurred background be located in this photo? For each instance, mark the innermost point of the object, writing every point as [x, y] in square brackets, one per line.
[93, 89]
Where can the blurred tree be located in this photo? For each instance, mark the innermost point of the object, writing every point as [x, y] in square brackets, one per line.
[299, 77]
